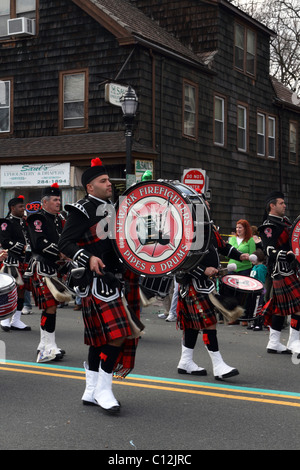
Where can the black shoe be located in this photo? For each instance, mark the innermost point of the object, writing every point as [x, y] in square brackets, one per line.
[232, 373]
[113, 410]
[194, 372]
[27, 328]
[274, 351]
[6, 328]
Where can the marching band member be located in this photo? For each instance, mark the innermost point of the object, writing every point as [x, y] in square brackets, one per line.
[13, 239]
[44, 228]
[196, 309]
[283, 293]
[108, 330]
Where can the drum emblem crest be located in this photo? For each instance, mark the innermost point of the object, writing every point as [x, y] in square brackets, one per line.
[154, 228]
[38, 225]
[268, 232]
[295, 239]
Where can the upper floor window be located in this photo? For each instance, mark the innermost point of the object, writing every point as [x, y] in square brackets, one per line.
[5, 106]
[293, 151]
[190, 111]
[219, 120]
[15, 9]
[271, 136]
[266, 135]
[261, 131]
[244, 49]
[73, 102]
[242, 128]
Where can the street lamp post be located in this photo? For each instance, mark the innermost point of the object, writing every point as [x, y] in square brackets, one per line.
[129, 106]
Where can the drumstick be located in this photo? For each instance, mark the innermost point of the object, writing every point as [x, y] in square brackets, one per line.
[229, 267]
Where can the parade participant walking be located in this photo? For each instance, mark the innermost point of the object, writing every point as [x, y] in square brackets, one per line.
[282, 284]
[196, 310]
[44, 229]
[108, 332]
[13, 239]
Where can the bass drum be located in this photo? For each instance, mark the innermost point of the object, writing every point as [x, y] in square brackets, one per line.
[295, 238]
[161, 227]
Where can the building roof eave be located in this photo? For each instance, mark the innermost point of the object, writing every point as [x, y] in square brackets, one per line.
[75, 148]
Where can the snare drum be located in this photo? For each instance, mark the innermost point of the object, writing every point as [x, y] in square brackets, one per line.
[246, 289]
[8, 295]
[159, 287]
[161, 227]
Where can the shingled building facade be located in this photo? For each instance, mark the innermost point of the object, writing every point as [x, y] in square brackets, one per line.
[200, 70]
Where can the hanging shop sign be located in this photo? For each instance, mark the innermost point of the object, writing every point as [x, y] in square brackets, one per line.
[113, 93]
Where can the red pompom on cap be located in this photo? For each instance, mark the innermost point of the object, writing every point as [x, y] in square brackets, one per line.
[52, 190]
[96, 162]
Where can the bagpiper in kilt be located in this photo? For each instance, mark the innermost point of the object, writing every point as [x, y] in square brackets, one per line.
[110, 294]
[196, 309]
[13, 238]
[44, 229]
[283, 287]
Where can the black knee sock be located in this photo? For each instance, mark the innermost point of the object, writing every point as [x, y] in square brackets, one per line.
[94, 358]
[295, 322]
[48, 321]
[210, 340]
[20, 304]
[109, 354]
[277, 322]
[190, 338]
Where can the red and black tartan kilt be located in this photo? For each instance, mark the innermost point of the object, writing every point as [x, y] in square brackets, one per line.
[285, 299]
[195, 311]
[107, 321]
[41, 295]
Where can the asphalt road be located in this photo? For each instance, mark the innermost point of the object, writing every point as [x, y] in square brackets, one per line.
[162, 411]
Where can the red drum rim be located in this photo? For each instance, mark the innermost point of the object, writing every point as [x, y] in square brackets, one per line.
[295, 238]
[243, 283]
[170, 208]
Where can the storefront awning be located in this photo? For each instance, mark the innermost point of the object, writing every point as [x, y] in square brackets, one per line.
[77, 148]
